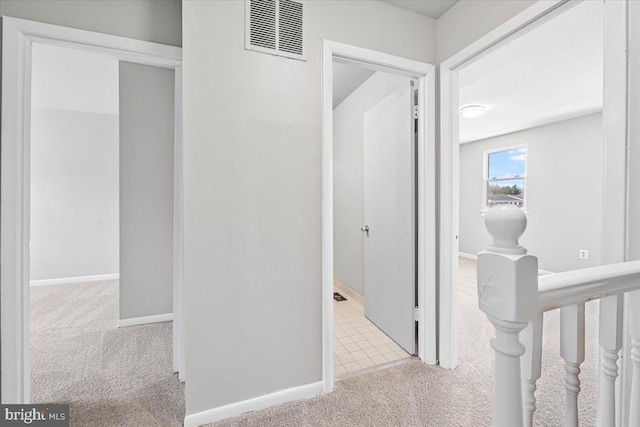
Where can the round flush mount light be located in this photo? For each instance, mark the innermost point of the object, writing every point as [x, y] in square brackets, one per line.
[472, 111]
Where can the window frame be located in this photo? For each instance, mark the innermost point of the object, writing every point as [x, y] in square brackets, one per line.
[486, 179]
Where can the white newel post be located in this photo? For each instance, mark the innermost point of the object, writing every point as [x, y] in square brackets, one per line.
[634, 330]
[508, 295]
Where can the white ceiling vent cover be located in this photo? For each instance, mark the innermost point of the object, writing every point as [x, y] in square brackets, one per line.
[275, 27]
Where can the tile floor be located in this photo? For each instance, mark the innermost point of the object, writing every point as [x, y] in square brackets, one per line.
[358, 343]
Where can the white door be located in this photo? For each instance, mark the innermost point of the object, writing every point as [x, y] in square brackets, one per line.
[389, 214]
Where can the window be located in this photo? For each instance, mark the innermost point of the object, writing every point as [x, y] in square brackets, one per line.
[505, 177]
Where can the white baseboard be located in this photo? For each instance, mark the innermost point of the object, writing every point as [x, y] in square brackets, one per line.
[255, 404]
[77, 279]
[468, 256]
[340, 287]
[144, 320]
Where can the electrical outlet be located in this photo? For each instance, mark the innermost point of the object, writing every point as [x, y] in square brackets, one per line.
[584, 254]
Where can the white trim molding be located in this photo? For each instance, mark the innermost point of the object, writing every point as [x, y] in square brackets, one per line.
[178, 232]
[614, 123]
[18, 36]
[145, 320]
[77, 279]
[424, 75]
[467, 256]
[255, 404]
[614, 245]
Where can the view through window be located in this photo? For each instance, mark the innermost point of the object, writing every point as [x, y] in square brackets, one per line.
[505, 178]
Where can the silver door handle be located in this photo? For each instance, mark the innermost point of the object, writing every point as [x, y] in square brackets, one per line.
[365, 229]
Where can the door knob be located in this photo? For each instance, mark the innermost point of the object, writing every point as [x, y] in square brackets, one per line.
[365, 229]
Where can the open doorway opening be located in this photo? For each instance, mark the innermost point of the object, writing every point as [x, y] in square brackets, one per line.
[101, 236]
[531, 135]
[419, 194]
[375, 244]
[20, 37]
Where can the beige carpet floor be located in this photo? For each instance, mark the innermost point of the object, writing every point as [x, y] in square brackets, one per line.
[123, 377]
[111, 376]
[418, 395]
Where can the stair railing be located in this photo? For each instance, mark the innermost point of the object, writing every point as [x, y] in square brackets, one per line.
[514, 298]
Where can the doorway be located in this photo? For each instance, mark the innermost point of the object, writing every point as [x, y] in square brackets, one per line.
[20, 38]
[420, 225]
[611, 247]
[101, 230]
[374, 218]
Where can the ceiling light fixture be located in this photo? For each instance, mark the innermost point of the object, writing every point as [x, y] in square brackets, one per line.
[472, 111]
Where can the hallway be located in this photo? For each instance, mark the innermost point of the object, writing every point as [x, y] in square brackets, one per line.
[415, 394]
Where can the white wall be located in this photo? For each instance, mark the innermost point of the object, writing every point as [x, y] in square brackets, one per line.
[151, 20]
[147, 100]
[468, 20]
[74, 80]
[74, 171]
[348, 176]
[74, 194]
[564, 192]
[253, 134]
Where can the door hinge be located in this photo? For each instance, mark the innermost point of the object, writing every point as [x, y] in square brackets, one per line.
[417, 314]
[415, 111]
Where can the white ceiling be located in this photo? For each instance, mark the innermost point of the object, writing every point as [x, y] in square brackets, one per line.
[553, 73]
[432, 8]
[346, 79]
[74, 80]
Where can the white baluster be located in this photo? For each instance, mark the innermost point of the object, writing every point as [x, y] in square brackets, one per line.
[611, 311]
[634, 330]
[572, 351]
[508, 295]
[531, 337]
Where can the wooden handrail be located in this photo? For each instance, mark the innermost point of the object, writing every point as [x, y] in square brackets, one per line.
[579, 286]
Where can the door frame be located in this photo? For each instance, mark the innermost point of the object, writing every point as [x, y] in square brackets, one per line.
[614, 224]
[18, 37]
[426, 179]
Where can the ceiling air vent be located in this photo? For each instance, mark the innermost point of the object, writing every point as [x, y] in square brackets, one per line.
[275, 27]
